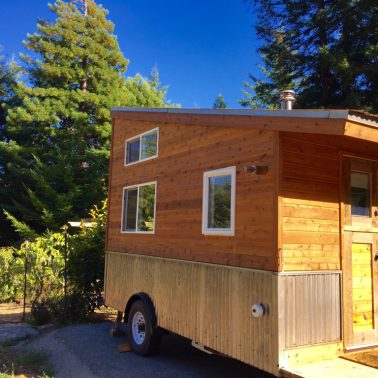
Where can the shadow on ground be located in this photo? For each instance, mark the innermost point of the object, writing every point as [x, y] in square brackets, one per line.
[93, 352]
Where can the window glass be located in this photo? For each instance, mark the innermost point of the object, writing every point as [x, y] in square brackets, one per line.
[146, 208]
[132, 151]
[149, 145]
[360, 194]
[139, 208]
[142, 147]
[219, 202]
[130, 209]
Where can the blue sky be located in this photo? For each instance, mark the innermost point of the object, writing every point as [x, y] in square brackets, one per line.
[201, 48]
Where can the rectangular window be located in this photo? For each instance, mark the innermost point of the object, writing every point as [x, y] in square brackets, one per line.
[360, 193]
[138, 209]
[218, 209]
[142, 147]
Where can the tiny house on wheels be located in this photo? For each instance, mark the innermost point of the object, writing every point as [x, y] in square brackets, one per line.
[254, 233]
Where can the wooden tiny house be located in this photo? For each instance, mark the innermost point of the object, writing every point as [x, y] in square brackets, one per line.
[213, 213]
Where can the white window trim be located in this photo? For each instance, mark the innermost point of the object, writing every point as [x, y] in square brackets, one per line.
[139, 136]
[123, 208]
[205, 202]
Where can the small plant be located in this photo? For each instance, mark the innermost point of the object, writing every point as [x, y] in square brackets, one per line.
[14, 363]
[15, 341]
[40, 313]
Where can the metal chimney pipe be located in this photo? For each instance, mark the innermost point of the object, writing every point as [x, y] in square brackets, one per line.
[287, 98]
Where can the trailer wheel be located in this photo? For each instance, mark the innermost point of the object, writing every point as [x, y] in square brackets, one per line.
[144, 338]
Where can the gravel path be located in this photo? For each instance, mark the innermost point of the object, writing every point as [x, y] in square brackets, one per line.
[88, 351]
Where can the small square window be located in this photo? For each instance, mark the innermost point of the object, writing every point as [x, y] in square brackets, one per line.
[138, 210]
[142, 147]
[218, 212]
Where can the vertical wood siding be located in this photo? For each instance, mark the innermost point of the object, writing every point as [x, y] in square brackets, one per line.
[312, 308]
[209, 304]
[362, 290]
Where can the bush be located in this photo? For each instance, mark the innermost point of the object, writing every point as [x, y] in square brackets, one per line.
[87, 258]
[44, 269]
[40, 313]
[11, 277]
[72, 309]
[45, 273]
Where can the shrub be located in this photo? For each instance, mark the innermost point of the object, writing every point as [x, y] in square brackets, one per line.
[72, 309]
[40, 313]
[11, 277]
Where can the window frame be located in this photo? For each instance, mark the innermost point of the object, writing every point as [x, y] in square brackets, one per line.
[139, 136]
[228, 171]
[370, 178]
[137, 186]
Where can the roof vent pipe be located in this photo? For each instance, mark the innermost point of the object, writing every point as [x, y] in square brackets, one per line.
[287, 98]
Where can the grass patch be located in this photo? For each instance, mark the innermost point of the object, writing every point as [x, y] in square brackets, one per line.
[3, 375]
[31, 358]
[13, 342]
[29, 363]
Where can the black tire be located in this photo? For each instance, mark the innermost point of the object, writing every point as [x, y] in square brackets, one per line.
[144, 338]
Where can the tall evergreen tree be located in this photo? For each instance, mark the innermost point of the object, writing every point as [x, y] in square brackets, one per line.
[61, 128]
[219, 102]
[7, 99]
[327, 49]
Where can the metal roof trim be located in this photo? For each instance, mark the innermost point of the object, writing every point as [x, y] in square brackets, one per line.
[297, 113]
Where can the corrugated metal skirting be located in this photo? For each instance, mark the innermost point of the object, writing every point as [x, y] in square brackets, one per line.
[311, 308]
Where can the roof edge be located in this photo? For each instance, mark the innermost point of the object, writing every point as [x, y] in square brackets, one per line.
[297, 113]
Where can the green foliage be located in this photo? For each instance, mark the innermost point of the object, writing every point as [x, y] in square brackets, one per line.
[58, 130]
[326, 50]
[20, 227]
[7, 99]
[11, 277]
[45, 269]
[40, 313]
[86, 260]
[147, 92]
[74, 308]
[219, 102]
[15, 363]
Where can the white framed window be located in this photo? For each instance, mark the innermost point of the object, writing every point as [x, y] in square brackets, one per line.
[139, 208]
[142, 147]
[218, 204]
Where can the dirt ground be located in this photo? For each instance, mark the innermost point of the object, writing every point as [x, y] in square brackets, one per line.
[12, 312]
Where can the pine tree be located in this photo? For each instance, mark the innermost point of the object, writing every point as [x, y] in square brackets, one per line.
[219, 102]
[61, 128]
[7, 99]
[147, 92]
[277, 69]
[326, 49]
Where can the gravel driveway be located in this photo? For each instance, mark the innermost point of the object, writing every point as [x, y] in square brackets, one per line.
[88, 350]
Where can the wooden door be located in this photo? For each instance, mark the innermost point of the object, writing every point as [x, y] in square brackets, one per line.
[360, 255]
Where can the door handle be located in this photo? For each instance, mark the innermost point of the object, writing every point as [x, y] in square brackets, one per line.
[376, 256]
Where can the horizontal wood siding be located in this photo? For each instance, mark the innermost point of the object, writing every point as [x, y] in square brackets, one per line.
[310, 198]
[210, 304]
[312, 308]
[185, 153]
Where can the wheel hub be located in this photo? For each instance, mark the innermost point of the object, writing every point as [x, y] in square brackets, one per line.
[138, 328]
